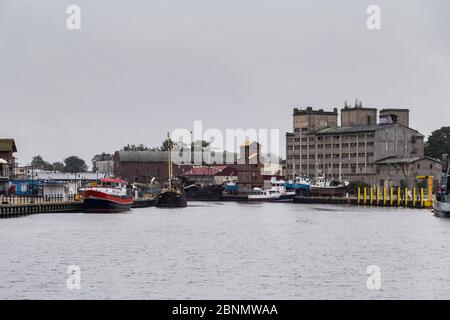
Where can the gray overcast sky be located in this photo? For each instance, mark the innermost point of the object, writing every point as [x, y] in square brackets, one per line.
[138, 69]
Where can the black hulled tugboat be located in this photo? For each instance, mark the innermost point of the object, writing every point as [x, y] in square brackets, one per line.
[172, 195]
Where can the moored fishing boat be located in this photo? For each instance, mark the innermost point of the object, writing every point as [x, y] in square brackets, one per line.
[108, 196]
[172, 195]
[276, 192]
[321, 186]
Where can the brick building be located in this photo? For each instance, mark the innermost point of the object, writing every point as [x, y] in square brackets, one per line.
[142, 166]
[319, 146]
[249, 166]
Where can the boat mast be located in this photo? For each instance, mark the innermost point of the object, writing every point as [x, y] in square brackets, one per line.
[169, 159]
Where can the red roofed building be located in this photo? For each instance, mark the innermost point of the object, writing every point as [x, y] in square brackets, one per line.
[211, 174]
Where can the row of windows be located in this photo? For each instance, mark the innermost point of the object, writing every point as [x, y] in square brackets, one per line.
[351, 167]
[336, 155]
[335, 145]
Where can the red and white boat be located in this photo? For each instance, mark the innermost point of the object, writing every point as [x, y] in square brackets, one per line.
[109, 196]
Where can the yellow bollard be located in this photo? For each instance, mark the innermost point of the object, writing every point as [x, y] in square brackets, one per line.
[384, 196]
[399, 200]
[414, 197]
[378, 195]
[365, 196]
[391, 199]
[406, 197]
[421, 197]
[371, 195]
[359, 194]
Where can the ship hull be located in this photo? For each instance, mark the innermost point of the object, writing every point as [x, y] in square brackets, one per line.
[206, 193]
[441, 209]
[338, 191]
[99, 202]
[278, 198]
[171, 199]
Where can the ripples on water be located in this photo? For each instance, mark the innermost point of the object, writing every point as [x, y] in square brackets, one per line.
[228, 251]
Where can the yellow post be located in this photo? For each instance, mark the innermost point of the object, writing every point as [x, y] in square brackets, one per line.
[406, 197]
[378, 195]
[365, 195]
[430, 189]
[359, 194]
[414, 197]
[391, 199]
[398, 197]
[371, 195]
[421, 197]
[384, 196]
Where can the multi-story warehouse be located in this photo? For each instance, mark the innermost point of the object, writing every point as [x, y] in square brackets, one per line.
[318, 146]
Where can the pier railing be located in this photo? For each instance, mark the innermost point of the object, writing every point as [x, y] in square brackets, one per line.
[53, 198]
[17, 206]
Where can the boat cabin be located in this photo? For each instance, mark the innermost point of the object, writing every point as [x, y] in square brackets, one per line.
[112, 183]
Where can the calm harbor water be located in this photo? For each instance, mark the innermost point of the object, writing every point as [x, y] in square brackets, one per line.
[228, 251]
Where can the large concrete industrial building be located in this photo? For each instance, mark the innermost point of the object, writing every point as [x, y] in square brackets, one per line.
[363, 148]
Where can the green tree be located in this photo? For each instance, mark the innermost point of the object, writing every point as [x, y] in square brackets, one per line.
[165, 145]
[133, 147]
[100, 157]
[438, 143]
[58, 166]
[39, 163]
[74, 164]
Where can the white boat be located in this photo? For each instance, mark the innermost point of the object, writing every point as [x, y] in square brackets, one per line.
[276, 192]
[441, 203]
[441, 207]
[298, 182]
[322, 186]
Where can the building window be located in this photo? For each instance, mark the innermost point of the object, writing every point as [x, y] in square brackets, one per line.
[431, 166]
[418, 166]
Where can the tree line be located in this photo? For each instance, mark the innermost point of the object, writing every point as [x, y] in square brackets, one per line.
[438, 143]
[70, 164]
